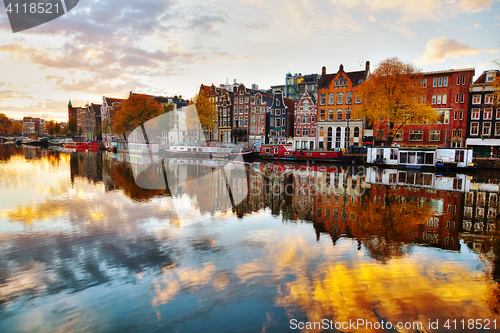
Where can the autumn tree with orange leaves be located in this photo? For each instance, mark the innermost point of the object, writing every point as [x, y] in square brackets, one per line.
[205, 112]
[134, 112]
[393, 93]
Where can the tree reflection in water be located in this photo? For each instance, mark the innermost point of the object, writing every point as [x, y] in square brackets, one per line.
[387, 224]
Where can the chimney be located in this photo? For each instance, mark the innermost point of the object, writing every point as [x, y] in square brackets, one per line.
[341, 68]
[323, 71]
[367, 67]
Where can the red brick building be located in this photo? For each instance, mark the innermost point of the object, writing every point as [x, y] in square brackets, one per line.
[448, 92]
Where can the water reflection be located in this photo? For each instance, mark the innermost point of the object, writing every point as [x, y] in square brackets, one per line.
[309, 242]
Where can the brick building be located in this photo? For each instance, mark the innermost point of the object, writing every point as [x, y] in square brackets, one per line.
[306, 111]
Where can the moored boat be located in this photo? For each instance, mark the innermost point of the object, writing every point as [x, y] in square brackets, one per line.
[286, 152]
[81, 145]
[420, 157]
[38, 142]
[229, 151]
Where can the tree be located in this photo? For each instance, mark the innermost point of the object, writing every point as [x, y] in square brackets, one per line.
[135, 111]
[17, 127]
[5, 124]
[80, 131]
[393, 93]
[50, 127]
[206, 110]
[72, 126]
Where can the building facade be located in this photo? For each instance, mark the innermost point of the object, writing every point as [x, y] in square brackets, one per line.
[337, 98]
[306, 110]
[279, 120]
[447, 92]
[483, 121]
[258, 114]
[109, 107]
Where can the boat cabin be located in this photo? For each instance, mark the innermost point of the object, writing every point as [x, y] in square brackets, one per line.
[420, 157]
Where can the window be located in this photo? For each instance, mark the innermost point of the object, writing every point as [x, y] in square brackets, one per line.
[497, 128]
[298, 132]
[322, 99]
[474, 128]
[348, 114]
[348, 98]
[455, 115]
[257, 101]
[253, 120]
[246, 108]
[304, 132]
[305, 106]
[312, 131]
[241, 92]
[445, 97]
[305, 119]
[356, 132]
[459, 156]
[434, 82]
[252, 129]
[438, 99]
[476, 99]
[357, 100]
[458, 80]
[261, 119]
[278, 112]
[462, 98]
[490, 77]
[236, 100]
[456, 98]
[475, 114]
[278, 122]
[322, 114]
[331, 99]
[321, 131]
[416, 135]
[340, 98]
[487, 128]
[440, 82]
[488, 99]
[433, 135]
[461, 114]
[235, 122]
[312, 118]
[241, 100]
[424, 83]
[398, 136]
[330, 114]
[463, 80]
[445, 82]
[278, 102]
[272, 122]
[433, 99]
[339, 114]
[246, 99]
[261, 129]
[488, 114]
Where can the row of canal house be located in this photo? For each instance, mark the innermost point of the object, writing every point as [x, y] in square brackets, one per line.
[321, 117]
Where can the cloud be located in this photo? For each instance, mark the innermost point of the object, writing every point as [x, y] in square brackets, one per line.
[439, 49]
[13, 94]
[372, 18]
[417, 10]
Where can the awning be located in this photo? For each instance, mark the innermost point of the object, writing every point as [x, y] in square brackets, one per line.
[483, 142]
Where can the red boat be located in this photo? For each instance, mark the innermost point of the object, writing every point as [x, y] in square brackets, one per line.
[81, 145]
[286, 152]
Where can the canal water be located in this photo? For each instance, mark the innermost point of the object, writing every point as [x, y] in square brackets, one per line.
[102, 242]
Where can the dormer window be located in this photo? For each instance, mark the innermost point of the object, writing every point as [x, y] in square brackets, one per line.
[277, 102]
[241, 92]
[490, 77]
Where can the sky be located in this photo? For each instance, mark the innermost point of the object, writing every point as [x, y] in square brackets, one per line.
[169, 47]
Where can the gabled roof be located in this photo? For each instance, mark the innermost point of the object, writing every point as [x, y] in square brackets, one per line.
[482, 77]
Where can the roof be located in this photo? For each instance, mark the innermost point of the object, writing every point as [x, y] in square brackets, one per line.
[482, 78]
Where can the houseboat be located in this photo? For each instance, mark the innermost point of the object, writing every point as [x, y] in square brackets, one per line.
[81, 145]
[229, 151]
[137, 147]
[418, 158]
[286, 152]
